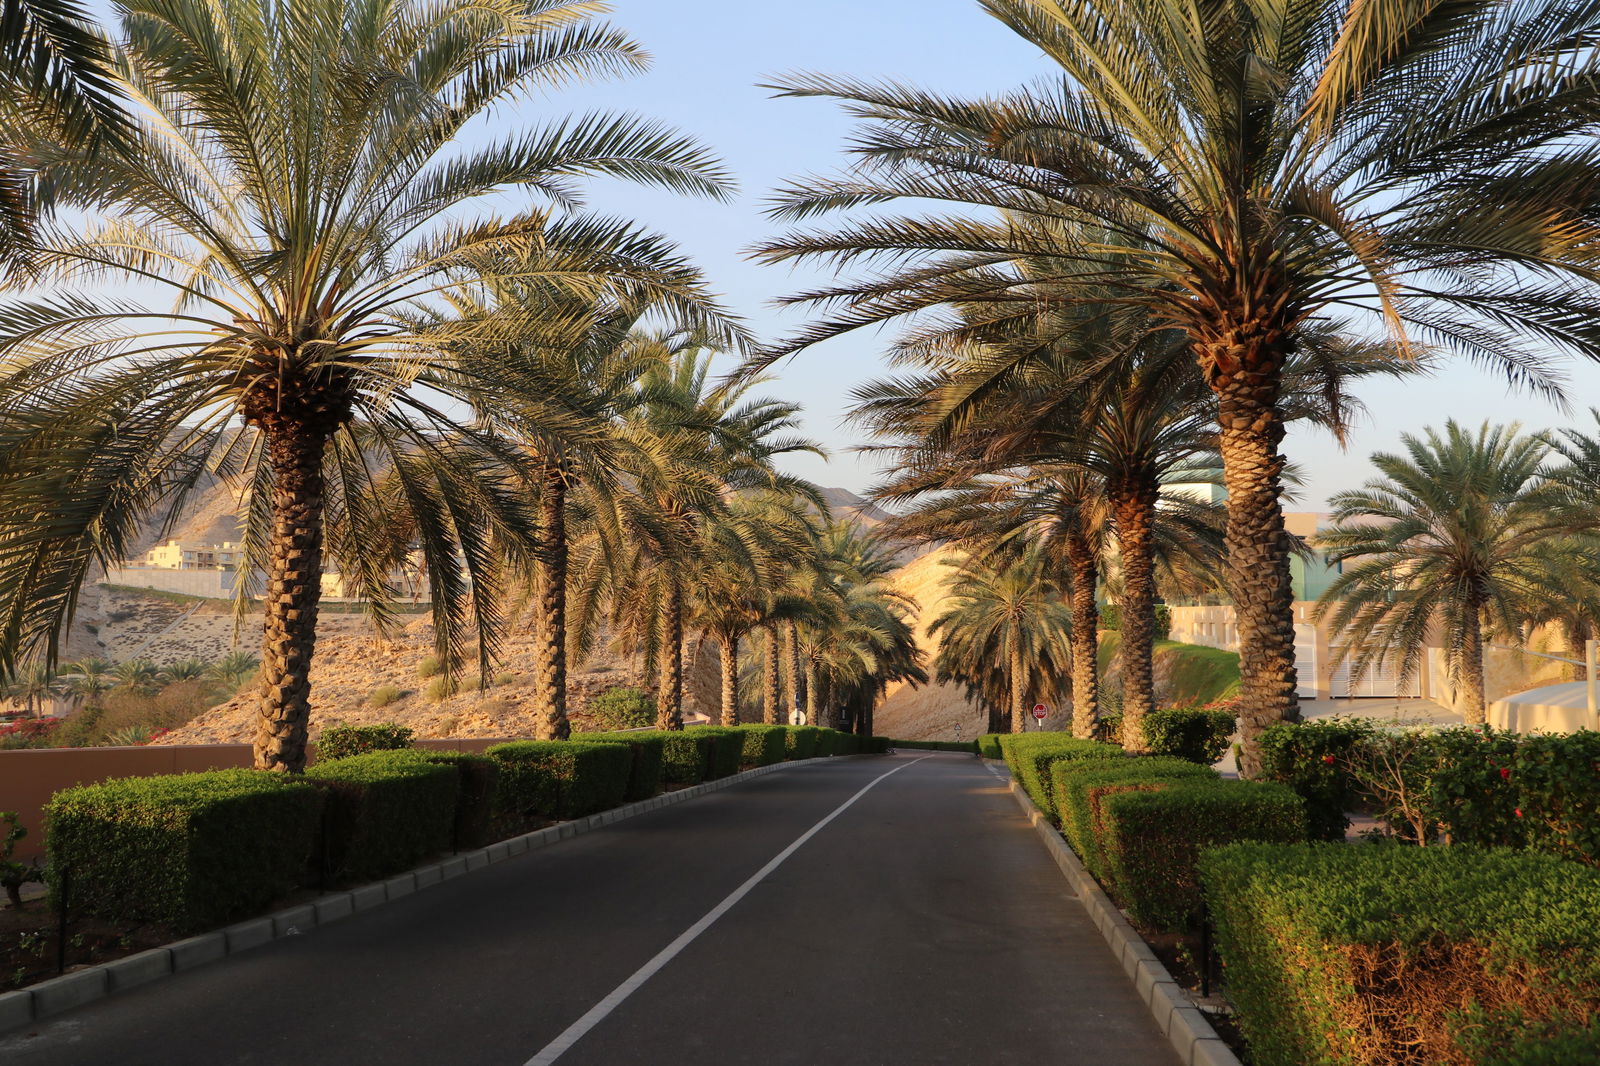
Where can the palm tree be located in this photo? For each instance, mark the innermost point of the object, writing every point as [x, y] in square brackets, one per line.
[233, 670]
[137, 675]
[34, 688]
[187, 670]
[1276, 167]
[1005, 622]
[1449, 538]
[295, 215]
[88, 678]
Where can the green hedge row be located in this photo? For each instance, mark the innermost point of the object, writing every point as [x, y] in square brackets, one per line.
[1390, 955]
[989, 745]
[649, 760]
[386, 811]
[970, 747]
[1199, 735]
[763, 745]
[343, 741]
[1080, 785]
[1030, 756]
[561, 778]
[185, 850]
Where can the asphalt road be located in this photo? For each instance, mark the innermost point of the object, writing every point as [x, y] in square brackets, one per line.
[923, 924]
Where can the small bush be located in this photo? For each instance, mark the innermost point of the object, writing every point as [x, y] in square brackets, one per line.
[343, 741]
[386, 811]
[989, 745]
[1200, 736]
[1030, 754]
[1080, 786]
[969, 747]
[1151, 840]
[623, 707]
[185, 850]
[837, 742]
[561, 778]
[802, 741]
[1391, 955]
[430, 666]
[441, 688]
[384, 695]
[683, 757]
[475, 802]
[876, 746]
[763, 745]
[1313, 758]
[725, 750]
[649, 751]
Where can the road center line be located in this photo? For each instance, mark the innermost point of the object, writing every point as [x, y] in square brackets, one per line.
[596, 1014]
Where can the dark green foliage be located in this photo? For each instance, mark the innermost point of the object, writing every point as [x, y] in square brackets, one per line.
[837, 742]
[1151, 840]
[475, 802]
[186, 850]
[343, 741]
[803, 741]
[561, 779]
[1469, 783]
[386, 811]
[1557, 779]
[1200, 736]
[1160, 623]
[1030, 754]
[723, 751]
[13, 874]
[623, 707]
[763, 745]
[683, 757]
[989, 745]
[649, 753]
[970, 747]
[1079, 785]
[1393, 955]
[876, 746]
[1313, 759]
[1520, 1044]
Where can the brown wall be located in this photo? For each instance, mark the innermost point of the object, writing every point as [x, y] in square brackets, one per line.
[28, 778]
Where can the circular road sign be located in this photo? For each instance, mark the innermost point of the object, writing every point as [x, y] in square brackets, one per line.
[1040, 711]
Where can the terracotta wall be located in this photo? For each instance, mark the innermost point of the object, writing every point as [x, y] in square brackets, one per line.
[28, 778]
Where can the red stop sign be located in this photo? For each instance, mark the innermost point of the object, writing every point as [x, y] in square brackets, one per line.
[1040, 710]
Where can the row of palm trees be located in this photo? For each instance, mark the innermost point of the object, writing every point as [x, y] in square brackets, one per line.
[88, 680]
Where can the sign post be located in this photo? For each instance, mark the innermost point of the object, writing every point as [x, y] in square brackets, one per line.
[1040, 711]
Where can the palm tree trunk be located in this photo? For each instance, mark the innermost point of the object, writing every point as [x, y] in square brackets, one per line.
[1085, 637]
[550, 648]
[1473, 705]
[997, 718]
[1134, 506]
[813, 694]
[669, 699]
[1258, 550]
[293, 591]
[772, 688]
[791, 655]
[728, 653]
[1019, 690]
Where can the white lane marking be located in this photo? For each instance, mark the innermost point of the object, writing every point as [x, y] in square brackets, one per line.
[596, 1014]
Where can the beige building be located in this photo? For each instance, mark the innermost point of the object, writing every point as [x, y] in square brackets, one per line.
[189, 555]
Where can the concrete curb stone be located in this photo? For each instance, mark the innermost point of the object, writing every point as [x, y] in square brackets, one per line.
[1184, 1025]
[36, 1002]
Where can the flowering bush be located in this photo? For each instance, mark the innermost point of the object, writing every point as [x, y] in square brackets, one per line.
[29, 733]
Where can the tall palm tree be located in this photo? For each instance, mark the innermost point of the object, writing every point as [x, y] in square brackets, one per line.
[1277, 167]
[1006, 622]
[1449, 538]
[34, 688]
[295, 213]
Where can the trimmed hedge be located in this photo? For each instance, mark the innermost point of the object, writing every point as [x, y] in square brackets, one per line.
[475, 802]
[970, 747]
[561, 779]
[763, 745]
[386, 810]
[1200, 736]
[343, 741]
[803, 741]
[723, 749]
[989, 745]
[1080, 786]
[876, 746]
[1030, 754]
[1151, 840]
[1313, 758]
[683, 758]
[1391, 955]
[185, 850]
[649, 755]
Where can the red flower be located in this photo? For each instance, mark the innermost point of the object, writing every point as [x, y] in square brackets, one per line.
[1328, 759]
[1505, 773]
[1517, 812]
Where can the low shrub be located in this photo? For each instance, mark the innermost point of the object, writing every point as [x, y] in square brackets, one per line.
[989, 745]
[683, 757]
[1313, 758]
[1151, 840]
[1080, 785]
[1390, 955]
[1557, 781]
[561, 778]
[623, 707]
[876, 746]
[802, 741]
[837, 742]
[384, 695]
[970, 747]
[475, 802]
[185, 850]
[763, 745]
[726, 749]
[430, 666]
[1200, 736]
[386, 811]
[442, 688]
[343, 741]
[1030, 754]
[649, 751]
